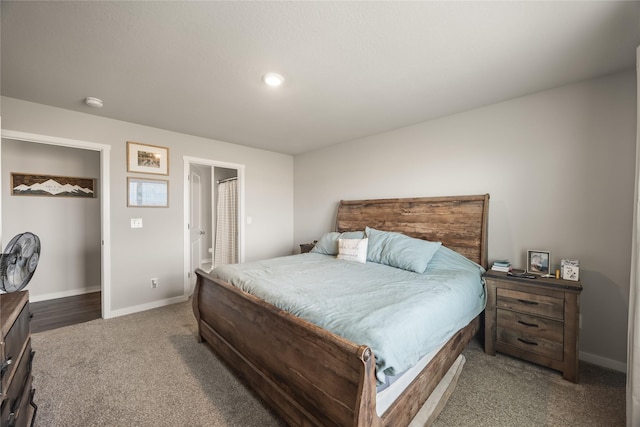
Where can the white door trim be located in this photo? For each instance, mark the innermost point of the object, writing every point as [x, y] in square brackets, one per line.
[187, 203]
[195, 216]
[105, 204]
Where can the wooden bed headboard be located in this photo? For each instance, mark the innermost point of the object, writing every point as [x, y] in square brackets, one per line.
[459, 222]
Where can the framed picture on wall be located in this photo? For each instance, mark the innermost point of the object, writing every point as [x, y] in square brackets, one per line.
[538, 262]
[144, 158]
[25, 184]
[150, 193]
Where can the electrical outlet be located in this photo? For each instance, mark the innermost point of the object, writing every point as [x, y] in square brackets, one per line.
[136, 222]
[154, 283]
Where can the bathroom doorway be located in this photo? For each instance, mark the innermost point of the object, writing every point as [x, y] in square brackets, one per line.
[214, 213]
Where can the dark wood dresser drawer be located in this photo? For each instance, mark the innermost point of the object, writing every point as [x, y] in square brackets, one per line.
[17, 408]
[25, 415]
[18, 394]
[25, 410]
[14, 345]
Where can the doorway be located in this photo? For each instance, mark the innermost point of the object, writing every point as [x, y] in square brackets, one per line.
[203, 236]
[104, 191]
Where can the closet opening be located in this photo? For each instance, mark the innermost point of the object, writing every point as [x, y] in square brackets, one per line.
[74, 264]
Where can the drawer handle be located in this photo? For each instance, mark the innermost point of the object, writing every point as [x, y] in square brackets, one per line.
[33, 404]
[6, 364]
[533, 325]
[14, 415]
[527, 341]
[30, 366]
[524, 301]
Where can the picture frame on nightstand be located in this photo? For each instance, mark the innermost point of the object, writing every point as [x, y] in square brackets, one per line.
[570, 269]
[538, 262]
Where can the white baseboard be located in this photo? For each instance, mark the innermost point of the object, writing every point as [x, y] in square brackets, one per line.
[604, 362]
[148, 306]
[63, 294]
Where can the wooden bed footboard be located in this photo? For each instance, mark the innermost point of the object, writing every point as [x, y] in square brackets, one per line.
[310, 376]
[307, 374]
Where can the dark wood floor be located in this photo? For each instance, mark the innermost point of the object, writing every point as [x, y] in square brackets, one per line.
[67, 311]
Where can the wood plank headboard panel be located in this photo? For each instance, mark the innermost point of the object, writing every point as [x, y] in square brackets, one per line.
[459, 222]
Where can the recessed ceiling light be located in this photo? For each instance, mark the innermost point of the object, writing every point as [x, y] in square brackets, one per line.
[93, 102]
[273, 79]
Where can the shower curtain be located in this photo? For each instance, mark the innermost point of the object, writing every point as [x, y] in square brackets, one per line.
[226, 251]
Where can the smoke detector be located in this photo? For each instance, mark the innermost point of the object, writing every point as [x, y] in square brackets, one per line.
[93, 102]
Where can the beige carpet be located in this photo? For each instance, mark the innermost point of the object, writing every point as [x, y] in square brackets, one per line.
[147, 369]
[504, 391]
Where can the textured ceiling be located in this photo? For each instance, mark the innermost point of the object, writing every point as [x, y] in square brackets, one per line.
[352, 69]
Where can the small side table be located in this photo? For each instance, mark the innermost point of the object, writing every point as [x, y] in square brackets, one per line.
[306, 247]
[535, 320]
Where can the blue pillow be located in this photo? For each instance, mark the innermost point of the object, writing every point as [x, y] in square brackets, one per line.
[400, 251]
[328, 244]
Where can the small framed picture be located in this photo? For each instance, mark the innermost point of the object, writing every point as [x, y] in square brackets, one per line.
[538, 262]
[570, 269]
[145, 158]
[150, 193]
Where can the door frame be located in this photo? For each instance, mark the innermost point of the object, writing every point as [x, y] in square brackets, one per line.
[193, 173]
[105, 203]
[188, 161]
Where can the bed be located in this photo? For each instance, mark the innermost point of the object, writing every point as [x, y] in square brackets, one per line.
[311, 376]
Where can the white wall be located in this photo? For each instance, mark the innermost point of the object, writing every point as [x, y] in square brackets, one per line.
[68, 228]
[559, 166]
[157, 249]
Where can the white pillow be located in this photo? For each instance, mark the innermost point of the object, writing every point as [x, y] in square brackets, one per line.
[353, 250]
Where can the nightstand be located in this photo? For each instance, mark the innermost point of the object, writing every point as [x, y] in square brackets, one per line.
[534, 319]
[306, 247]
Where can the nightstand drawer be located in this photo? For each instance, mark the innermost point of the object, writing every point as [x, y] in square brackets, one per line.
[548, 329]
[530, 343]
[526, 302]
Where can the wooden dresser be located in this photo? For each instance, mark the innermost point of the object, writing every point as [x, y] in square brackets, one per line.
[535, 320]
[17, 408]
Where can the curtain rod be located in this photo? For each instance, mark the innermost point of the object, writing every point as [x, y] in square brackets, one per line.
[220, 181]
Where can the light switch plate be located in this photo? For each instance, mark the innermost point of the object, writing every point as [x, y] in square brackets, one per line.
[136, 222]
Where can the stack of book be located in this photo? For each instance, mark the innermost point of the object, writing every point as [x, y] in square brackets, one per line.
[502, 265]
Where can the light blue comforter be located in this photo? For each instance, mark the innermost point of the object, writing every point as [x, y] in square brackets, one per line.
[401, 315]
